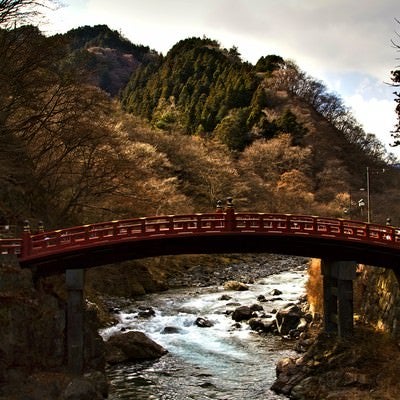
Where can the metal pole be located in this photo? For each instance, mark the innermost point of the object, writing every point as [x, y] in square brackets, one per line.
[368, 198]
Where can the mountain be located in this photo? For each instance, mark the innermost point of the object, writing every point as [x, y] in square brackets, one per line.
[106, 55]
[201, 88]
[200, 124]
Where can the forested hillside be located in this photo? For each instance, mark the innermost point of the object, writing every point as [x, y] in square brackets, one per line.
[303, 146]
[106, 55]
[93, 127]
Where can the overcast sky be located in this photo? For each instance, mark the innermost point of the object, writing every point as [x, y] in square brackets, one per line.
[345, 44]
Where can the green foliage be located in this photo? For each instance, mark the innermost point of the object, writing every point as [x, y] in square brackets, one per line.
[102, 36]
[269, 63]
[205, 81]
[232, 130]
[286, 123]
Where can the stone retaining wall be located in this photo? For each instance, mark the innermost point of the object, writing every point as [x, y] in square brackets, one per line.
[32, 338]
[377, 298]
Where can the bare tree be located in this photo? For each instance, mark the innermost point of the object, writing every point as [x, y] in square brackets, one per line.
[396, 83]
[19, 12]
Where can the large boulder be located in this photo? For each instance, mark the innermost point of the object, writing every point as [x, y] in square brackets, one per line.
[242, 313]
[203, 322]
[130, 346]
[288, 319]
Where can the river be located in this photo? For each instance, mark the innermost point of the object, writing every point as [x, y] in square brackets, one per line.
[221, 362]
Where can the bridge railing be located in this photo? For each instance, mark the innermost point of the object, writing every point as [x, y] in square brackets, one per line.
[10, 246]
[286, 224]
[320, 226]
[126, 229]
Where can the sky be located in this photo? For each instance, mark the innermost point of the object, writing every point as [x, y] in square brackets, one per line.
[345, 44]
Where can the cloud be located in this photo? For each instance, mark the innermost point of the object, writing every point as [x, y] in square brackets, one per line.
[344, 43]
[376, 116]
[330, 34]
[336, 34]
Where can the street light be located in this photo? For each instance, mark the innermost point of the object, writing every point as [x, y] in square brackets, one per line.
[361, 204]
[368, 198]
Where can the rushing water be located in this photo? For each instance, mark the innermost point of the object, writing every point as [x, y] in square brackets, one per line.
[220, 362]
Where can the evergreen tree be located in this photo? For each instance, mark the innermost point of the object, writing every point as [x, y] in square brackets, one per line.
[232, 130]
[269, 63]
[206, 81]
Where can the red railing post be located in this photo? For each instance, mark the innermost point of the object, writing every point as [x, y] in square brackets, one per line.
[230, 217]
[219, 209]
[26, 247]
[115, 230]
[40, 227]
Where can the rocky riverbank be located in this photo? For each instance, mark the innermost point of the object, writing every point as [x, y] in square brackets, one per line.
[33, 318]
[365, 366]
[241, 268]
[32, 340]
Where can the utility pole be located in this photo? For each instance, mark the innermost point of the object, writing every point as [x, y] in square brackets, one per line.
[368, 197]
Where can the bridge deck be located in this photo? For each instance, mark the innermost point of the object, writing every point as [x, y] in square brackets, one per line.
[102, 243]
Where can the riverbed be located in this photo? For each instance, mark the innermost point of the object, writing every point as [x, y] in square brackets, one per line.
[226, 361]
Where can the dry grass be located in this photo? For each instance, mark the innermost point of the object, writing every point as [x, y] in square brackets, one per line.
[314, 287]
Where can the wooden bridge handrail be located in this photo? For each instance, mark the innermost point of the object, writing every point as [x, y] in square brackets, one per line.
[10, 246]
[205, 223]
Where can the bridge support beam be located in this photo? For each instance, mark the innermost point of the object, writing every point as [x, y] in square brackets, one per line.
[338, 279]
[75, 280]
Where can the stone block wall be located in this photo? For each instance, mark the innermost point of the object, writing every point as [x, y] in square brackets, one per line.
[32, 329]
[377, 299]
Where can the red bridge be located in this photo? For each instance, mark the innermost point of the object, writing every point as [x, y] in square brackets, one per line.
[225, 232]
[339, 243]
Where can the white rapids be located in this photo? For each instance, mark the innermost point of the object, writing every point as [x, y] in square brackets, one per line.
[219, 362]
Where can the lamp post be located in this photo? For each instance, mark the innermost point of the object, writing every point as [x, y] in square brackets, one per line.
[361, 202]
[368, 197]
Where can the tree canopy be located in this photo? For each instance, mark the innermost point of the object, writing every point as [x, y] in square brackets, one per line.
[190, 128]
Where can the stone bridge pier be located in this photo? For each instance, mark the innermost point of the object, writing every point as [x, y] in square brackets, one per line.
[338, 296]
[75, 281]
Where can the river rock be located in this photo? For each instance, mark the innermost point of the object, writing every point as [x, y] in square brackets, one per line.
[256, 307]
[288, 375]
[242, 313]
[81, 389]
[171, 329]
[146, 312]
[131, 346]
[275, 292]
[203, 322]
[235, 285]
[288, 319]
[261, 325]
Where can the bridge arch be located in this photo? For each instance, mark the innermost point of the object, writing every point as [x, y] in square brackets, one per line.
[339, 243]
[212, 233]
